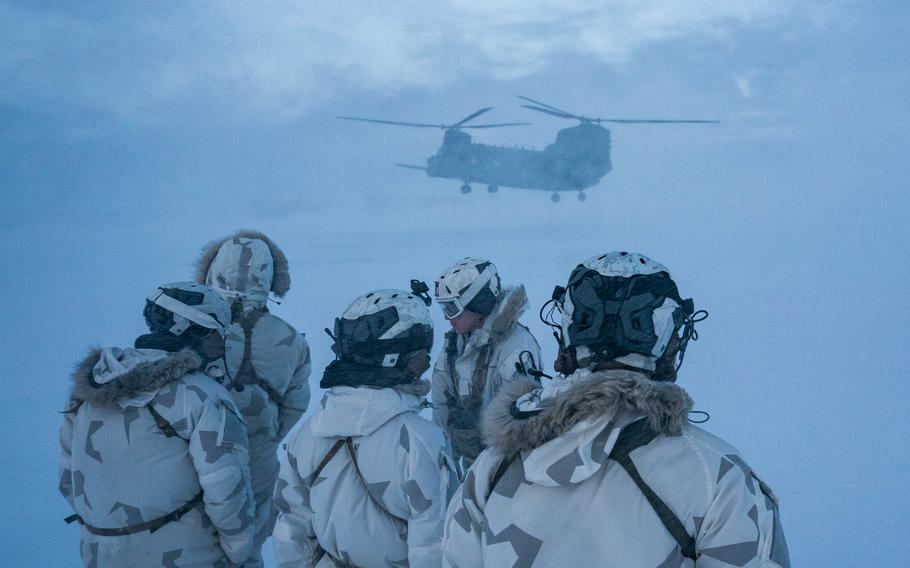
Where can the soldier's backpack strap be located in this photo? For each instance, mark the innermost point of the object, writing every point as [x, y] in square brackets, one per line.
[150, 526]
[352, 451]
[501, 471]
[328, 457]
[73, 406]
[246, 374]
[160, 421]
[451, 348]
[635, 436]
[162, 424]
[479, 379]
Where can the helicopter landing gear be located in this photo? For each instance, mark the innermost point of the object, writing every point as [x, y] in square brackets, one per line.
[492, 188]
[582, 196]
[554, 198]
[466, 188]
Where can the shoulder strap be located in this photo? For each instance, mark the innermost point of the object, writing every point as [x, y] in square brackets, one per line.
[73, 406]
[632, 437]
[479, 380]
[501, 471]
[349, 443]
[451, 348]
[328, 457]
[247, 374]
[162, 424]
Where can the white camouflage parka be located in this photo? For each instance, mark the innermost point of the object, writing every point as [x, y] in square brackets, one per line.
[547, 492]
[391, 512]
[271, 387]
[122, 466]
[511, 343]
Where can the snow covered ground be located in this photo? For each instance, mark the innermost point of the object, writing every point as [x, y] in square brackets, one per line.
[788, 222]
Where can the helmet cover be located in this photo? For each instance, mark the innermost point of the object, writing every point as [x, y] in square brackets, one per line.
[381, 326]
[177, 306]
[469, 284]
[623, 306]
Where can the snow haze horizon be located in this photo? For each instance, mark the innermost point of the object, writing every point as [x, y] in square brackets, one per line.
[131, 138]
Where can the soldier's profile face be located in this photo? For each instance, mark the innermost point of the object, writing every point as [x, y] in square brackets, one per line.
[466, 322]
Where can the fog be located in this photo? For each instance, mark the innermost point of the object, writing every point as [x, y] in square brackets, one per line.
[128, 140]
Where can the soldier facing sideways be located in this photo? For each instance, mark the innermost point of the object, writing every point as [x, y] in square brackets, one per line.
[153, 451]
[268, 361]
[601, 466]
[486, 348]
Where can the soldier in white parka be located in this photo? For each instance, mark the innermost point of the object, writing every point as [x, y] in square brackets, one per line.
[267, 359]
[365, 481]
[153, 451]
[601, 467]
[486, 349]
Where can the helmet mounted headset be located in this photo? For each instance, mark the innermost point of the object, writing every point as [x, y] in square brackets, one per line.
[375, 329]
[375, 335]
[621, 307]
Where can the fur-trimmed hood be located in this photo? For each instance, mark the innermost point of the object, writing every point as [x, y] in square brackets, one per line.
[512, 303]
[112, 374]
[279, 282]
[500, 323]
[578, 418]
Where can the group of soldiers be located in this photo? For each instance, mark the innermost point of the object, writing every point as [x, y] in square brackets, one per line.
[172, 454]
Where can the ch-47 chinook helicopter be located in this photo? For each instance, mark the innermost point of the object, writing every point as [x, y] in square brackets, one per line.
[577, 160]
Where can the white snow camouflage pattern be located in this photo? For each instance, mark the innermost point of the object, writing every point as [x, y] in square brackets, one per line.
[510, 339]
[405, 465]
[119, 469]
[245, 267]
[562, 502]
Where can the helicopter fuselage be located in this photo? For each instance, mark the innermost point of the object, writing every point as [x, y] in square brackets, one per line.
[578, 159]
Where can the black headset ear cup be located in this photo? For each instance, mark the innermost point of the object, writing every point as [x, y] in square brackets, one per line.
[212, 346]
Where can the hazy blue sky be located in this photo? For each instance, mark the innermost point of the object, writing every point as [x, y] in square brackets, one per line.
[132, 134]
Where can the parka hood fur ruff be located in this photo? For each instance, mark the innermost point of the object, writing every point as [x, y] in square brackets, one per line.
[142, 378]
[512, 303]
[281, 277]
[665, 405]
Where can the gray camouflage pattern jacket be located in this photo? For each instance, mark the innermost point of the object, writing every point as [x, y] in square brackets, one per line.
[406, 473]
[562, 502]
[120, 468]
[246, 267]
[510, 340]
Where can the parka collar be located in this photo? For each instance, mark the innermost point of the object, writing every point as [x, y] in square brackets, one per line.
[115, 375]
[565, 431]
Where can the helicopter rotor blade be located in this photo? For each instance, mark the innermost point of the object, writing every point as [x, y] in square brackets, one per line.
[545, 105]
[470, 117]
[409, 166]
[497, 125]
[377, 121]
[654, 121]
[560, 113]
